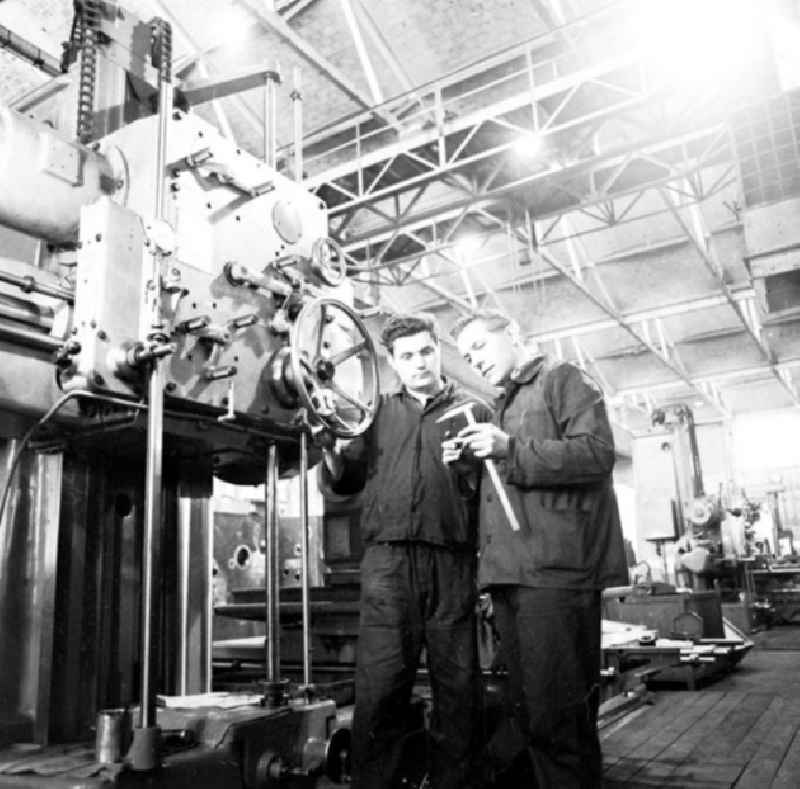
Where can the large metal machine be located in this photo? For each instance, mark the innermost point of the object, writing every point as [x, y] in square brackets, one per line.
[183, 313]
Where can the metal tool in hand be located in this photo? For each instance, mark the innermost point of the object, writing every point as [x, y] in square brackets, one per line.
[502, 495]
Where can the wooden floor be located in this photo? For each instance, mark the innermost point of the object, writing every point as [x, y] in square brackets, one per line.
[741, 731]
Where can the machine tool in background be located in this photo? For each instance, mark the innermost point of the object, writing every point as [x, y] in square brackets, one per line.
[182, 313]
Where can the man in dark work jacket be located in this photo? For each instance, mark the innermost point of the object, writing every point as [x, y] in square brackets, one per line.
[553, 445]
[419, 526]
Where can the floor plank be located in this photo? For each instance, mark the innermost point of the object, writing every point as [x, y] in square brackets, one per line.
[742, 732]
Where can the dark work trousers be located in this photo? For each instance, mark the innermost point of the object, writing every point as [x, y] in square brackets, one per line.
[550, 643]
[415, 594]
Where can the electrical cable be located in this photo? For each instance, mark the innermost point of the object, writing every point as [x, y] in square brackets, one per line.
[54, 409]
[15, 461]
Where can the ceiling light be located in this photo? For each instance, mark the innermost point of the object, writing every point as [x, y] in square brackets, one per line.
[468, 245]
[528, 145]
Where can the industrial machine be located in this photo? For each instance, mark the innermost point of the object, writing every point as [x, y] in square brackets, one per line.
[173, 310]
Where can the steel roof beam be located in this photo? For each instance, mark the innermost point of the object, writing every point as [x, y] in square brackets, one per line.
[281, 28]
[703, 243]
[361, 51]
[360, 154]
[600, 302]
[585, 169]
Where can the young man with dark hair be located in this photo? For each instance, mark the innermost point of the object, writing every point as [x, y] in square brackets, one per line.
[419, 526]
[554, 450]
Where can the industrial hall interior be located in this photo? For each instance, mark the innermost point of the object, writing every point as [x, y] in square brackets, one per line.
[399, 394]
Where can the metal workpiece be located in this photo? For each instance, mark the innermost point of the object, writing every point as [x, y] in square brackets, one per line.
[48, 177]
[112, 735]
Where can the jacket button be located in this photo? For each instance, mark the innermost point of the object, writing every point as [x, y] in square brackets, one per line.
[488, 538]
[488, 497]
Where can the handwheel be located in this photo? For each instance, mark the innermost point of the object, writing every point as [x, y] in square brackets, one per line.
[334, 367]
[328, 261]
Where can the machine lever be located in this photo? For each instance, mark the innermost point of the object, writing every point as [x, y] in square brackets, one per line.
[141, 354]
[220, 373]
[193, 324]
[243, 321]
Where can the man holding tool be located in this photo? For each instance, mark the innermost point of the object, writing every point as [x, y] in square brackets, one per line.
[553, 450]
[419, 526]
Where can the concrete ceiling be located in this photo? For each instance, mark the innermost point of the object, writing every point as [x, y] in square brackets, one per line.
[622, 242]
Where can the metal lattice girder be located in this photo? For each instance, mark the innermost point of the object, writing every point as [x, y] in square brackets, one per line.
[621, 204]
[711, 384]
[703, 301]
[696, 230]
[445, 135]
[602, 300]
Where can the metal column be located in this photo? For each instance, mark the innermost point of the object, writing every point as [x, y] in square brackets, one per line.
[304, 558]
[273, 689]
[195, 603]
[143, 754]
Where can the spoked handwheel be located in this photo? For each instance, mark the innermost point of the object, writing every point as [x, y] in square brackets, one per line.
[334, 367]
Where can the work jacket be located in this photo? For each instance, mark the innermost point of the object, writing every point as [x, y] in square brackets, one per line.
[409, 494]
[558, 477]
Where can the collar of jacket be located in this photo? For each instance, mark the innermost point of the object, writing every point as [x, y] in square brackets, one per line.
[524, 374]
[517, 378]
[444, 395]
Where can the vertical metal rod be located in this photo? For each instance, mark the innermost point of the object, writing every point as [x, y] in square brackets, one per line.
[150, 550]
[155, 412]
[304, 558]
[270, 119]
[297, 116]
[184, 560]
[209, 629]
[697, 469]
[271, 576]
